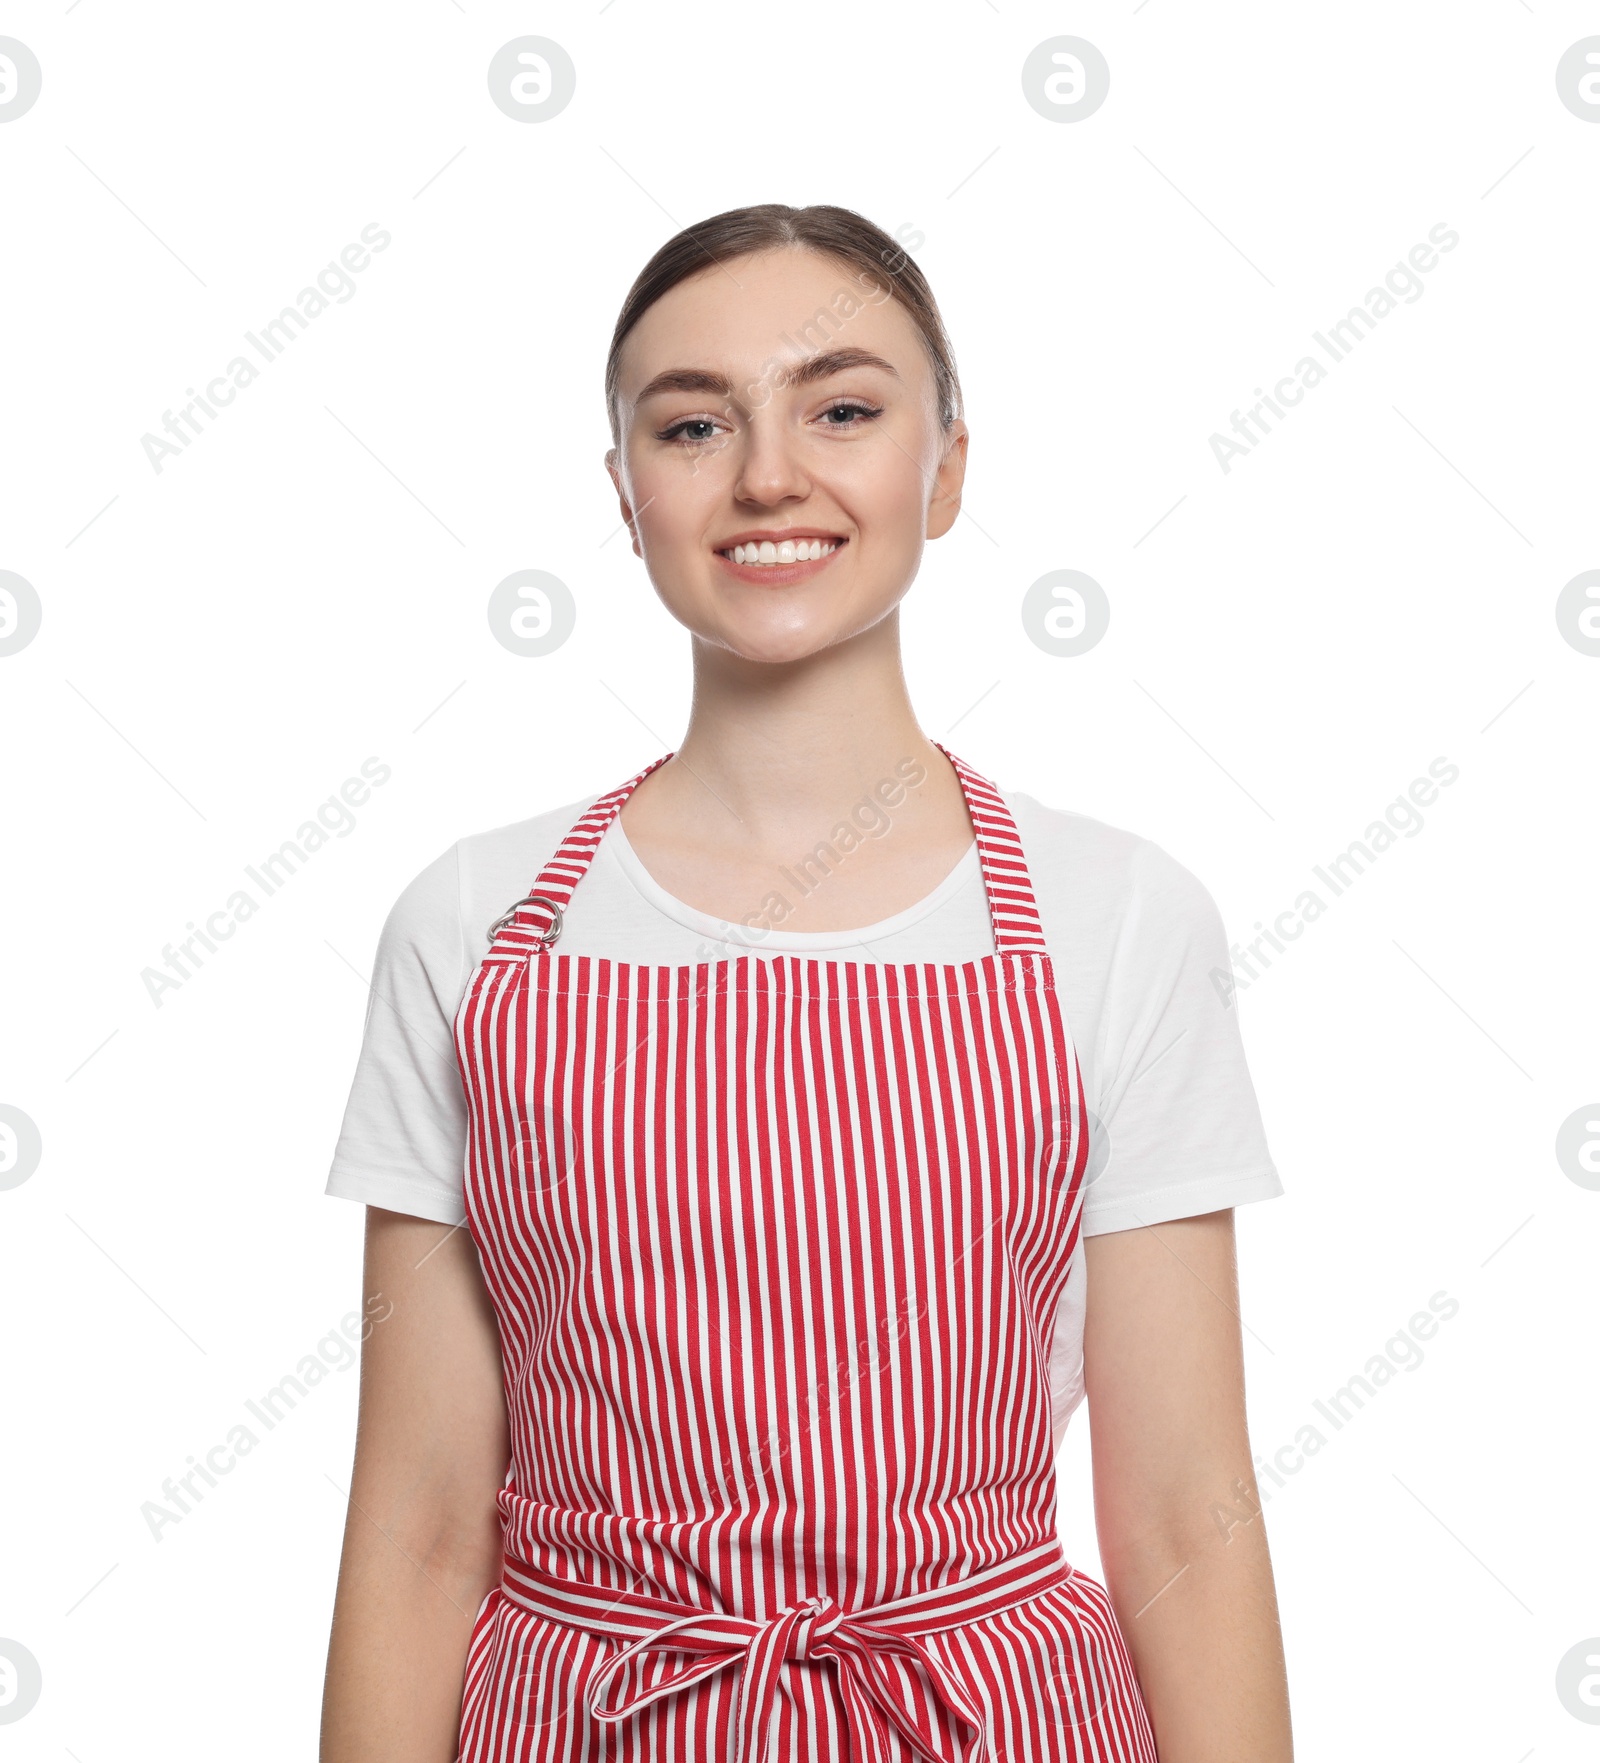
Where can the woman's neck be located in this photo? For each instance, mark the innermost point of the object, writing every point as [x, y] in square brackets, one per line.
[824, 773]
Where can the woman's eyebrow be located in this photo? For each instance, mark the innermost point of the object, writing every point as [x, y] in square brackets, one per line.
[815, 367]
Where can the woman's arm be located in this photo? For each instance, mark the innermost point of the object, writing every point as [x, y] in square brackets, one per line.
[422, 1534]
[1182, 1540]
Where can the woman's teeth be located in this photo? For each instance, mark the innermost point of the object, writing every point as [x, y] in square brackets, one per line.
[789, 551]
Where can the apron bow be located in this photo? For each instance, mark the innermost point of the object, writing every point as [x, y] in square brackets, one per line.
[816, 1629]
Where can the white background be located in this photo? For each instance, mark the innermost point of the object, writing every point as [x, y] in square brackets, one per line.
[1292, 642]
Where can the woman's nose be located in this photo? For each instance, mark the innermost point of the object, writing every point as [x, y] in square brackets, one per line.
[769, 467]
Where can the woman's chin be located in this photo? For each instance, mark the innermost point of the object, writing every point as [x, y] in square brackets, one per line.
[773, 642]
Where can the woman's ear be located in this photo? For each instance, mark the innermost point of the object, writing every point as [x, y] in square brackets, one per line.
[622, 499]
[945, 503]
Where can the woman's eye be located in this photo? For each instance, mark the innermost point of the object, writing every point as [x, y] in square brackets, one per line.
[692, 422]
[867, 411]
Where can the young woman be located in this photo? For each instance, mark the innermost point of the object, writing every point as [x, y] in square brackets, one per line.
[779, 1073]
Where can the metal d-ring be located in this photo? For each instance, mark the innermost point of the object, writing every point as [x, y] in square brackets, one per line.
[527, 900]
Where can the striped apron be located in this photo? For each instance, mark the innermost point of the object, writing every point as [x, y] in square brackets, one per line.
[775, 1246]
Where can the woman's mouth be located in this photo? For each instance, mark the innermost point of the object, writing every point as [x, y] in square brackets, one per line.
[780, 562]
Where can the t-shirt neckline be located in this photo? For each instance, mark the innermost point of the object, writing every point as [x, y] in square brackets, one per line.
[616, 847]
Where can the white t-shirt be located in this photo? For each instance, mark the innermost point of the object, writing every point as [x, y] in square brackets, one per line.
[1134, 938]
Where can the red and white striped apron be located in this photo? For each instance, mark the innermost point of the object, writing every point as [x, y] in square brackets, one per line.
[775, 1245]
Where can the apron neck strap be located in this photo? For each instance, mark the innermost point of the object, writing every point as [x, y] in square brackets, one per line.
[1013, 911]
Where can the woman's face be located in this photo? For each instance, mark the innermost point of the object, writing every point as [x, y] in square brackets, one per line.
[782, 393]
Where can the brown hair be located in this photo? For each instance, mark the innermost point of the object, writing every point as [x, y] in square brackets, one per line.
[836, 232]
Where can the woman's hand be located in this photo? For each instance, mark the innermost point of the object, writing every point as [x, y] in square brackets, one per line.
[1177, 1510]
[422, 1535]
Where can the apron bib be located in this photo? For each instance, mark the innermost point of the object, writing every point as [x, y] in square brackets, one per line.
[775, 1246]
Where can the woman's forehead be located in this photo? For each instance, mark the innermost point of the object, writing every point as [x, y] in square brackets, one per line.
[753, 319]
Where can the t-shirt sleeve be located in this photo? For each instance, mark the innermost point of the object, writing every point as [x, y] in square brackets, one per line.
[1179, 1125]
[403, 1141]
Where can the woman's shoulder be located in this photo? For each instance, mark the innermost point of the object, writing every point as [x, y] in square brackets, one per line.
[476, 879]
[516, 840]
[1087, 871]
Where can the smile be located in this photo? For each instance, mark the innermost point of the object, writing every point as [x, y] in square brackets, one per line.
[781, 563]
[765, 553]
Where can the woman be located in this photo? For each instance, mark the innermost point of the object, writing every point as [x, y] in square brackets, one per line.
[782, 1268]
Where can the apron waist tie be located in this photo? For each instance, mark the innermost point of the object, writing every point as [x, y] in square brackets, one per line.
[818, 1628]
